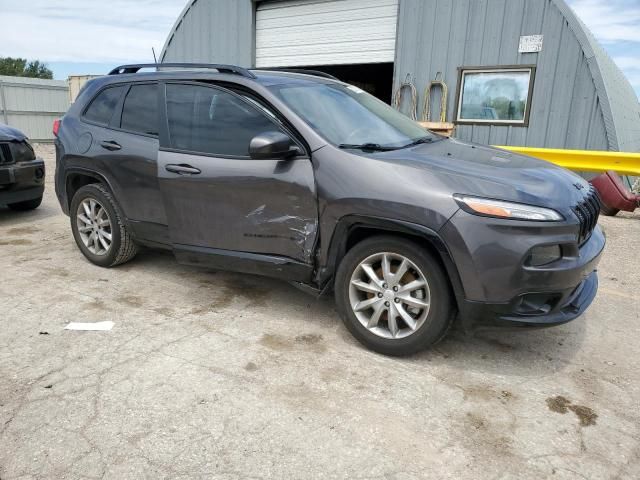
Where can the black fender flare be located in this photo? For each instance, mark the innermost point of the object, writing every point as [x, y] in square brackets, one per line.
[349, 223]
[68, 172]
[82, 171]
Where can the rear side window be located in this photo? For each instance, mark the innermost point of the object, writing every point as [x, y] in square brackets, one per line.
[208, 120]
[104, 105]
[140, 110]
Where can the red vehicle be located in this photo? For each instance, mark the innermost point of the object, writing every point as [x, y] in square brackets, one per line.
[614, 195]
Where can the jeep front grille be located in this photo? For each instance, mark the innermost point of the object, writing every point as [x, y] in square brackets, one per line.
[588, 212]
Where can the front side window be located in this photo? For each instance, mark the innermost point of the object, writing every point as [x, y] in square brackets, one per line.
[495, 96]
[212, 121]
[346, 115]
[140, 110]
[104, 105]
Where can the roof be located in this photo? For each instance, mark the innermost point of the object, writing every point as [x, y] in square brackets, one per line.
[618, 99]
[262, 77]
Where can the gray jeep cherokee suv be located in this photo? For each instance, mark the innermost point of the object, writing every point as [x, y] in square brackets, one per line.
[308, 179]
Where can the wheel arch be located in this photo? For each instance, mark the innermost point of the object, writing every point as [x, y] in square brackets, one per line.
[352, 229]
[76, 178]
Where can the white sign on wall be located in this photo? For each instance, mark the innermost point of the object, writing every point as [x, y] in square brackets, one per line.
[531, 44]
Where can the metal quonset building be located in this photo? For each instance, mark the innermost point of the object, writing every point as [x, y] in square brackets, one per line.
[519, 72]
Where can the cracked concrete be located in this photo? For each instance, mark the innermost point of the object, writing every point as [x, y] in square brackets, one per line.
[217, 375]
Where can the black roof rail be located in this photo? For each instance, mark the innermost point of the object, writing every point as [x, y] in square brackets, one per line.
[315, 73]
[134, 68]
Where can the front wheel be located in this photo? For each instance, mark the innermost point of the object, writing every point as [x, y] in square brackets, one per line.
[393, 296]
[98, 228]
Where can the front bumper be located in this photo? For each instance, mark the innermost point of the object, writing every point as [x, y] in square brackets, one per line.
[500, 288]
[22, 181]
[575, 303]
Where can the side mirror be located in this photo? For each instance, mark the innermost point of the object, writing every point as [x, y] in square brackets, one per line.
[272, 145]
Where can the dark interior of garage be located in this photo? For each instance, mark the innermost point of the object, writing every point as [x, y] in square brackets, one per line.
[375, 78]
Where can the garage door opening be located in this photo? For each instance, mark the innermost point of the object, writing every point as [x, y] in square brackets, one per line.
[374, 78]
[354, 40]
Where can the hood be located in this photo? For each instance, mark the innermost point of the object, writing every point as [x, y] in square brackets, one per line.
[9, 134]
[471, 169]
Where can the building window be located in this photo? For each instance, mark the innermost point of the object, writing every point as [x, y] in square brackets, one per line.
[495, 95]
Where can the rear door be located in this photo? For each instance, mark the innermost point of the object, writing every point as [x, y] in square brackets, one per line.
[134, 145]
[123, 121]
[216, 196]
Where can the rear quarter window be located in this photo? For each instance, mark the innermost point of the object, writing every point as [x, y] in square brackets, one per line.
[103, 106]
[140, 110]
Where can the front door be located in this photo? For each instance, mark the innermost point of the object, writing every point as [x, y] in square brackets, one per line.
[217, 197]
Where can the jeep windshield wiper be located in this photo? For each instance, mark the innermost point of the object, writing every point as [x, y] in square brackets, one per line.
[372, 147]
[419, 141]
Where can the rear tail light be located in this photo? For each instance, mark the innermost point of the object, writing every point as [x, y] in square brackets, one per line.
[56, 126]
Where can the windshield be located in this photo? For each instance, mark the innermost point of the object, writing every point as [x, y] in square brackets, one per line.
[349, 117]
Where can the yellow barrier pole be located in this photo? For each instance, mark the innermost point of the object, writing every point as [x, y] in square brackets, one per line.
[585, 160]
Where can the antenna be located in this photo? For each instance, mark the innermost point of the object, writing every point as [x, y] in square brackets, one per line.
[155, 60]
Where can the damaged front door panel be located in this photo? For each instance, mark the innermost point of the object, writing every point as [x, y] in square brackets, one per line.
[241, 204]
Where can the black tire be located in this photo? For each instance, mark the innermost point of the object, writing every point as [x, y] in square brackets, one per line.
[609, 211]
[441, 311]
[123, 248]
[26, 205]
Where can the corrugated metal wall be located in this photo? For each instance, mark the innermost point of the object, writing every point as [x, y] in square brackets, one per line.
[31, 105]
[573, 76]
[442, 35]
[218, 31]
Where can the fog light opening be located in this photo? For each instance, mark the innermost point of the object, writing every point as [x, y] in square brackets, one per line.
[539, 256]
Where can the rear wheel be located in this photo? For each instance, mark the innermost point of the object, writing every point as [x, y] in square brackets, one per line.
[393, 296]
[26, 205]
[98, 228]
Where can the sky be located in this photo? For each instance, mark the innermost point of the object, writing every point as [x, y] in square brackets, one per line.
[77, 37]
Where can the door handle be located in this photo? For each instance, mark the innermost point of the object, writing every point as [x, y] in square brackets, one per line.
[110, 145]
[182, 169]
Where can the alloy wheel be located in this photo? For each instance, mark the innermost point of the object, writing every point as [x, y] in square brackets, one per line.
[389, 295]
[94, 226]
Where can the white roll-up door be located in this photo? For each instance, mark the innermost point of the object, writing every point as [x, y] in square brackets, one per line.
[320, 32]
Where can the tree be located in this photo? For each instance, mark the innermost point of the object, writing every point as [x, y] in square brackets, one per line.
[19, 67]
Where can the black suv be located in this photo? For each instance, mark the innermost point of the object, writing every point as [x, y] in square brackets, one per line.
[21, 173]
[305, 178]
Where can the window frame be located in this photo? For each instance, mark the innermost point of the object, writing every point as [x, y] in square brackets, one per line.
[116, 117]
[165, 144]
[531, 69]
